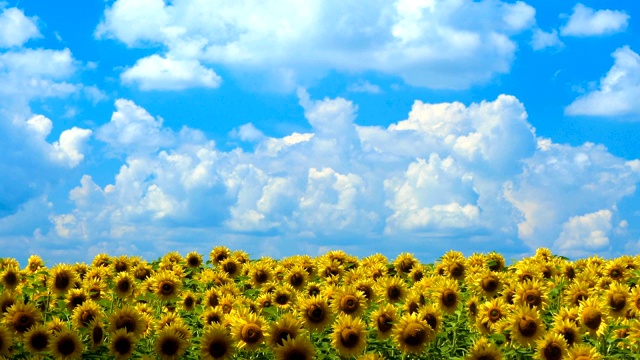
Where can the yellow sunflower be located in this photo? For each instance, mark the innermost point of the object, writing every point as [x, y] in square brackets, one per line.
[142, 271]
[618, 299]
[594, 316]
[489, 313]
[248, 331]
[128, 318]
[85, 313]
[286, 327]
[124, 285]
[20, 317]
[62, 278]
[95, 287]
[404, 263]
[569, 330]
[392, 288]
[36, 339]
[284, 295]
[194, 260]
[432, 315]
[66, 345]
[447, 295]
[616, 270]
[532, 293]
[383, 319]
[219, 254]
[551, 347]
[189, 300]
[6, 341]
[411, 334]
[122, 344]
[120, 264]
[166, 285]
[295, 349]
[348, 300]
[487, 283]
[584, 352]
[96, 333]
[260, 273]
[484, 350]
[297, 277]
[454, 264]
[75, 297]
[576, 292]
[7, 299]
[525, 325]
[34, 263]
[170, 344]
[216, 343]
[10, 278]
[230, 266]
[349, 335]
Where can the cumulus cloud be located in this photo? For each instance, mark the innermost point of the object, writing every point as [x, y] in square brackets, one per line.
[159, 73]
[293, 44]
[449, 176]
[16, 28]
[541, 40]
[364, 87]
[618, 91]
[585, 21]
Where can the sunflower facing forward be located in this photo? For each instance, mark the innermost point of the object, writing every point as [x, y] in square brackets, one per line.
[412, 333]
[122, 344]
[349, 336]
[248, 331]
[484, 350]
[216, 343]
[20, 317]
[551, 347]
[295, 349]
[316, 313]
[166, 285]
[525, 325]
[170, 344]
[66, 345]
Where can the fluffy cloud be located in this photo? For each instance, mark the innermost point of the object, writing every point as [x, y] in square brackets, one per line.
[291, 43]
[469, 174]
[618, 92]
[584, 21]
[542, 40]
[158, 73]
[15, 28]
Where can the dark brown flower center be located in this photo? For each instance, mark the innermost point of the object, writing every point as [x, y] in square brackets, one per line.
[230, 267]
[432, 320]
[66, 346]
[22, 321]
[349, 337]
[495, 315]
[331, 271]
[170, 346]
[617, 301]
[39, 341]
[527, 326]
[193, 261]
[569, 336]
[62, 281]
[489, 284]
[414, 334]
[121, 266]
[124, 286]
[296, 280]
[97, 334]
[251, 333]
[413, 307]
[385, 323]
[188, 302]
[7, 303]
[349, 304]
[592, 318]
[122, 345]
[261, 276]
[615, 273]
[11, 279]
[368, 292]
[456, 270]
[580, 296]
[127, 322]
[142, 273]
[570, 273]
[282, 299]
[393, 293]
[552, 351]
[295, 354]
[315, 313]
[449, 298]
[406, 265]
[217, 348]
[87, 316]
[533, 297]
[166, 287]
[282, 335]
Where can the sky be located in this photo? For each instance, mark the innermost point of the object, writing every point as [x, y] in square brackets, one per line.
[141, 127]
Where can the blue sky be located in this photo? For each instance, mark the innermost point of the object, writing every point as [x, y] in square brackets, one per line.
[282, 127]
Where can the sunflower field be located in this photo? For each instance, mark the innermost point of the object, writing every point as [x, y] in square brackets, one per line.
[334, 306]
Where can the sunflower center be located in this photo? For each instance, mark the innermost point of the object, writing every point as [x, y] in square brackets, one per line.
[486, 357]
[86, 317]
[579, 296]
[282, 335]
[127, 322]
[188, 302]
[7, 303]
[22, 322]
[96, 334]
[527, 326]
[393, 293]
[11, 279]
[282, 299]
[406, 265]
[166, 288]
[121, 266]
[592, 318]
[124, 286]
[331, 271]
[142, 273]
[193, 261]
[449, 298]
[532, 297]
[456, 270]
[39, 341]
[569, 337]
[368, 292]
[295, 354]
[77, 300]
[261, 276]
[66, 346]
[230, 267]
[349, 304]
[413, 307]
[349, 337]
[489, 284]
[495, 315]
[315, 313]
[570, 273]
[217, 349]
[62, 281]
[251, 333]
[552, 351]
[615, 274]
[122, 345]
[617, 301]
[417, 276]
[213, 318]
[296, 280]
[432, 320]
[170, 346]
[384, 323]
[414, 334]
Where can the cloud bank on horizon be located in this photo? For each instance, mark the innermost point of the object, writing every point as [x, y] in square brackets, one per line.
[471, 176]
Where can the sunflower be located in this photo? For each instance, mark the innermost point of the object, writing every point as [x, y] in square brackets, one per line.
[75, 298]
[411, 334]
[392, 288]
[616, 270]
[286, 327]
[95, 287]
[227, 303]
[219, 253]
[489, 313]
[348, 300]
[472, 306]
[96, 333]
[383, 319]
[20, 317]
[297, 277]
[366, 286]
[260, 273]
[576, 292]
[7, 299]
[121, 264]
[484, 350]
[66, 345]
[34, 263]
[170, 344]
[124, 285]
[85, 313]
[594, 316]
[6, 341]
[10, 277]
[447, 295]
[316, 313]
[618, 299]
[283, 295]
[432, 315]
[635, 301]
[551, 347]
[216, 343]
[36, 339]
[349, 336]
[231, 267]
[509, 292]
[454, 264]
[122, 344]
[142, 271]
[488, 283]
[248, 331]
[584, 352]
[62, 278]
[569, 330]
[404, 263]
[314, 289]
[194, 260]
[295, 349]
[127, 318]
[532, 293]
[166, 285]
[525, 325]
[417, 273]
[55, 325]
[496, 261]
[211, 297]
[189, 300]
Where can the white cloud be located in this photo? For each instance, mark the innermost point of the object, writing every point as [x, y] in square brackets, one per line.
[541, 40]
[15, 28]
[585, 233]
[159, 73]
[286, 44]
[618, 91]
[68, 150]
[584, 21]
[248, 132]
[364, 87]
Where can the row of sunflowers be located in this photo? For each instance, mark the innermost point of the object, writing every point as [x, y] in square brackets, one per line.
[334, 306]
